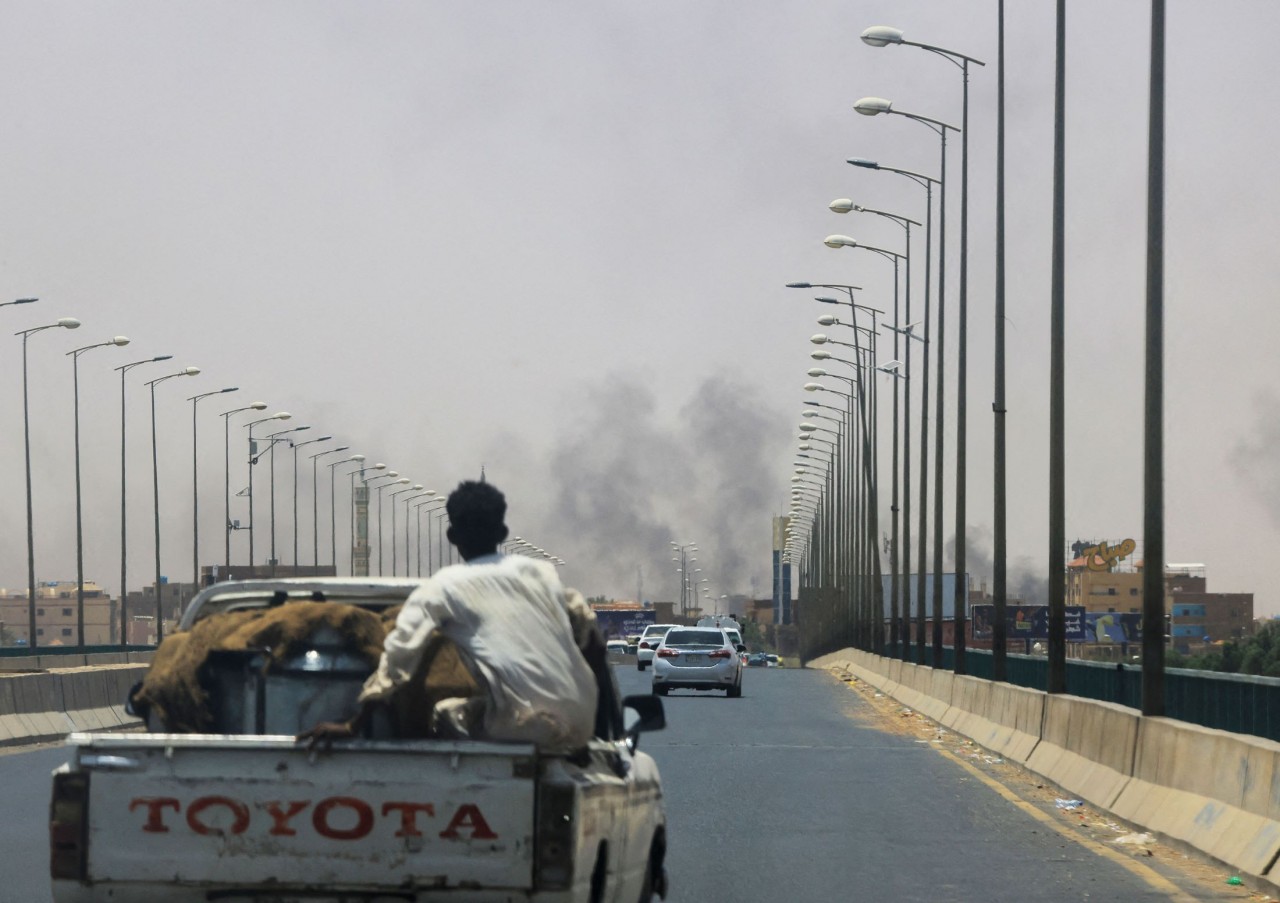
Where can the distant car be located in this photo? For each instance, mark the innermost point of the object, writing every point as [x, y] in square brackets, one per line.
[774, 661]
[697, 658]
[616, 646]
[758, 660]
[648, 644]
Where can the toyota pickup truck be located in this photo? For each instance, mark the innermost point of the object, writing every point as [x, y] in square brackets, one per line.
[250, 815]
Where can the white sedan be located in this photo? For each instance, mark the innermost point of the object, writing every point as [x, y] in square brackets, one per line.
[697, 658]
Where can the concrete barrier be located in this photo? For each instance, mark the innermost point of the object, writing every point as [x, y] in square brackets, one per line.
[1211, 790]
[45, 706]
[1087, 747]
[1216, 791]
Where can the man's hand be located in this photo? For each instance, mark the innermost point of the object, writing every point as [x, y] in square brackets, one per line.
[324, 733]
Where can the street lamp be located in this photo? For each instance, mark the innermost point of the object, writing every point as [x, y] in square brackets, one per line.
[124, 545]
[427, 494]
[333, 509]
[315, 502]
[395, 564]
[75, 378]
[873, 106]
[273, 440]
[399, 482]
[418, 509]
[65, 323]
[883, 36]
[226, 440]
[155, 490]
[195, 483]
[295, 446]
[253, 459]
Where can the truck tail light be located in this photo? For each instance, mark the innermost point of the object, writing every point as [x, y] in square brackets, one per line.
[668, 653]
[68, 826]
[554, 842]
[721, 653]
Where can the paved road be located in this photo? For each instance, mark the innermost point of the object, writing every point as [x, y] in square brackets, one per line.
[784, 794]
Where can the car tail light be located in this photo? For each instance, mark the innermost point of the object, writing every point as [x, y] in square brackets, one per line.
[721, 653]
[668, 653]
[644, 645]
[68, 827]
[553, 869]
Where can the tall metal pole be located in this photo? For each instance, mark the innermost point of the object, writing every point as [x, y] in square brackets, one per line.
[226, 487]
[124, 533]
[155, 492]
[922, 576]
[1153, 458]
[939, 419]
[961, 599]
[294, 446]
[999, 579]
[124, 538]
[252, 462]
[75, 379]
[904, 608]
[31, 539]
[1057, 397]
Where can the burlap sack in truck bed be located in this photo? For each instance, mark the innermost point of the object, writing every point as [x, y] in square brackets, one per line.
[174, 691]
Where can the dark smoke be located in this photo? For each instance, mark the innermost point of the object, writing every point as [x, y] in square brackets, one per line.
[1022, 580]
[625, 482]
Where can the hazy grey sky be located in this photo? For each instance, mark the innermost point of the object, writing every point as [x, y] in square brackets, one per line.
[552, 239]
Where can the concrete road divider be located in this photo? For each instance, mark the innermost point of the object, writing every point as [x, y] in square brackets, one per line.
[1087, 747]
[45, 706]
[1216, 791]
[1211, 790]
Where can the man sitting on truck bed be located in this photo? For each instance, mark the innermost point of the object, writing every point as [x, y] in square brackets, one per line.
[510, 617]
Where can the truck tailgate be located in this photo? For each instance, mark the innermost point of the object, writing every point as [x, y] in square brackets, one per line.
[261, 811]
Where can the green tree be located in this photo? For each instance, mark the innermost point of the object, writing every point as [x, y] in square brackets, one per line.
[598, 600]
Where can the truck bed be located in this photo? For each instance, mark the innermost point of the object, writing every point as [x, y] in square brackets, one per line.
[216, 813]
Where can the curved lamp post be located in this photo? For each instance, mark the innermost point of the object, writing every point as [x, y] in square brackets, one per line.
[75, 378]
[124, 543]
[64, 323]
[315, 502]
[885, 36]
[395, 558]
[295, 446]
[874, 106]
[399, 482]
[274, 439]
[358, 460]
[155, 490]
[195, 483]
[253, 459]
[226, 441]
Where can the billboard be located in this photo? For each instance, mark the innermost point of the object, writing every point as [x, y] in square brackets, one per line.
[1030, 622]
[1113, 627]
[618, 624]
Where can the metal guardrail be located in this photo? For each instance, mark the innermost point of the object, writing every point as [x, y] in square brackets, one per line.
[1239, 703]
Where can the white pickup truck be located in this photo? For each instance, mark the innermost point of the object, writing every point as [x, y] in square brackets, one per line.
[252, 816]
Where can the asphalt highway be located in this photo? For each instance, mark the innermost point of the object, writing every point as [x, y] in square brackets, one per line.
[798, 791]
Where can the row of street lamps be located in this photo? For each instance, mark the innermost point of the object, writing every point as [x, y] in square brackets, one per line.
[826, 528]
[412, 493]
[834, 533]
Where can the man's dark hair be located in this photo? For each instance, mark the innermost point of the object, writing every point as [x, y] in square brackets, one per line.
[477, 513]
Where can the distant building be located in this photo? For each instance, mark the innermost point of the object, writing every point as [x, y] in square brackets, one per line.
[781, 572]
[56, 615]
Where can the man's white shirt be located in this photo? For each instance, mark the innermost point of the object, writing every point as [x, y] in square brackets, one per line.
[510, 614]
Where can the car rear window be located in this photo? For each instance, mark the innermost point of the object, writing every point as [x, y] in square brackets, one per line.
[653, 631]
[695, 638]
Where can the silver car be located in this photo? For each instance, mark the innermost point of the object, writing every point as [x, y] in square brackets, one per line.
[697, 658]
[648, 645]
